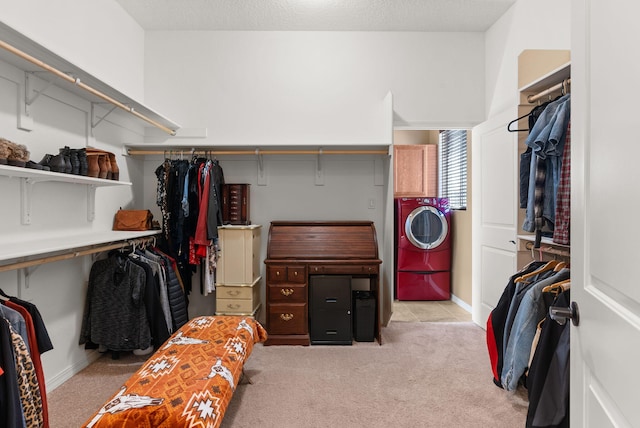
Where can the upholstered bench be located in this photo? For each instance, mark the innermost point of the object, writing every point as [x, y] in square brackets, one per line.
[189, 381]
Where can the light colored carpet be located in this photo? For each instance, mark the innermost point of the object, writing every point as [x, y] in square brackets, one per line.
[424, 375]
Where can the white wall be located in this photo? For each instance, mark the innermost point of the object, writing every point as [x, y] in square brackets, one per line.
[322, 88]
[314, 88]
[529, 24]
[98, 36]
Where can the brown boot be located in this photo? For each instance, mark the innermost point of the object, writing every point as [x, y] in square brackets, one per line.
[115, 171]
[103, 162]
[93, 166]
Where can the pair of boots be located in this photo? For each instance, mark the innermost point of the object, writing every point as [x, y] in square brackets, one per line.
[68, 161]
[13, 154]
[88, 162]
[102, 164]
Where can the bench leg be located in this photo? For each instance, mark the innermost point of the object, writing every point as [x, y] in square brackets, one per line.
[244, 378]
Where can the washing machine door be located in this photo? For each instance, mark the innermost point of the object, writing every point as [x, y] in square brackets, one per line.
[426, 227]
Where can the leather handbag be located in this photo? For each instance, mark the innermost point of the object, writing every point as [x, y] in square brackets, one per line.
[133, 220]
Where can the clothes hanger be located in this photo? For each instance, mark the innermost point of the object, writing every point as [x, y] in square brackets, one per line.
[516, 120]
[558, 287]
[559, 266]
[550, 265]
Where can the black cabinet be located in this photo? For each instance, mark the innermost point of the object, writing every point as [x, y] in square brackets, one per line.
[330, 309]
[364, 316]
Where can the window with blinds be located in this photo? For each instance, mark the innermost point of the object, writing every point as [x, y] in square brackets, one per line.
[453, 167]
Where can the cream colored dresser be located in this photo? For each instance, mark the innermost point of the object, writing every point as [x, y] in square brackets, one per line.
[238, 279]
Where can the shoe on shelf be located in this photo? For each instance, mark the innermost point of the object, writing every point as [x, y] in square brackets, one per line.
[4, 151]
[64, 152]
[53, 163]
[107, 162]
[83, 165]
[18, 154]
[93, 166]
[33, 165]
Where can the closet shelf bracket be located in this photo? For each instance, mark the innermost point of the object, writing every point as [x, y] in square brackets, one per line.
[262, 177]
[94, 116]
[26, 197]
[25, 278]
[29, 89]
[319, 171]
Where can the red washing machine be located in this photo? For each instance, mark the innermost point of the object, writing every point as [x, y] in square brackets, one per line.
[423, 258]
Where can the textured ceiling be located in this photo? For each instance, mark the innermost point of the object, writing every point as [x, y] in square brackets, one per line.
[318, 15]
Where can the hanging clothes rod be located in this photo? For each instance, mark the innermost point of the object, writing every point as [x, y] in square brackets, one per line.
[134, 152]
[74, 254]
[548, 250]
[564, 85]
[76, 81]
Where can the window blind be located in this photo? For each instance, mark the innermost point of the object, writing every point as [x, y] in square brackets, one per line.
[453, 167]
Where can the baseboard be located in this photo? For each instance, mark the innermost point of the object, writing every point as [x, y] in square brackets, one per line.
[464, 305]
[68, 373]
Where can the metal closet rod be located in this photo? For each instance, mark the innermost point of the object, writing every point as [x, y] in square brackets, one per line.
[74, 254]
[256, 152]
[76, 81]
[564, 85]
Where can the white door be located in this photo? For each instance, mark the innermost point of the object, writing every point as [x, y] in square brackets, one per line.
[605, 237]
[494, 151]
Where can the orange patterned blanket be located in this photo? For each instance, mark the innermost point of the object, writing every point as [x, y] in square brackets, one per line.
[189, 381]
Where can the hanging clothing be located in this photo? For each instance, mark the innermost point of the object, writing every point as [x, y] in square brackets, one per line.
[35, 357]
[531, 311]
[115, 314]
[548, 378]
[546, 139]
[32, 340]
[10, 406]
[497, 321]
[190, 197]
[563, 199]
[30, 398]
[155, 317]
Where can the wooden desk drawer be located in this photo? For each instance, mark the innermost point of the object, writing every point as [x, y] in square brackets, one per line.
[343, 269]
[288, 319]
[289, 293]
[287, 273]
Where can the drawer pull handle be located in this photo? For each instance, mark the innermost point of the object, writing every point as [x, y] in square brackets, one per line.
[233, 293]
[295, 273]
[232, 306]
[286, 317]
[277, 273]
[286, 291]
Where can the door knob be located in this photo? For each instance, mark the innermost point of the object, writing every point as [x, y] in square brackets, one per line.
[561, 314]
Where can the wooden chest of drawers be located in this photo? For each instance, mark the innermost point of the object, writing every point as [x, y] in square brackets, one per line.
[241, 299]
[238, 280]
[287, 297]
[235, 204]
[239, 256]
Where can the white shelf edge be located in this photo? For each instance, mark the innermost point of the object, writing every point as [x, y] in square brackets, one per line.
[544, 240]
[29, 46]
[554, 76]
[11, 250]
[43, 176]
